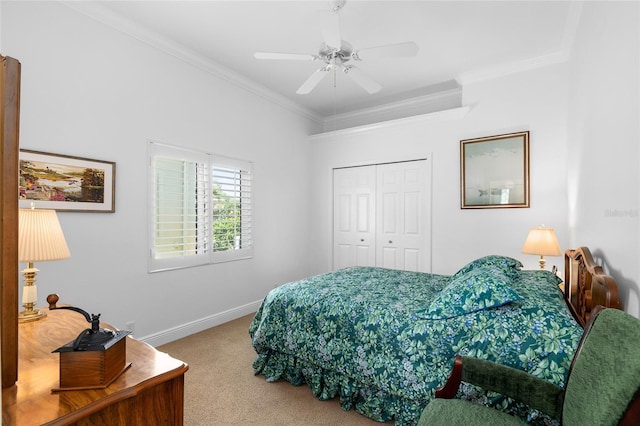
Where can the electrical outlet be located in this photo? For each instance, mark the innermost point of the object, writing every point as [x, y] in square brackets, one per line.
[131, 326]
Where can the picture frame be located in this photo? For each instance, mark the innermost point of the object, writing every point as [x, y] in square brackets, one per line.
[494, 171]
[66, 183]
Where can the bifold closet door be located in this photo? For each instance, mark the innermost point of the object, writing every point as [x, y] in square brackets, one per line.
[381, 216]
[354, 191]
[402, 226]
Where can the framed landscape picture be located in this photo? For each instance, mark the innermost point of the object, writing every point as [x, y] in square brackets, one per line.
[66, 183]
[494, 171]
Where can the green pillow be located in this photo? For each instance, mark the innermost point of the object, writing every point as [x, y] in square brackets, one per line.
[478, 289]
[509, 265]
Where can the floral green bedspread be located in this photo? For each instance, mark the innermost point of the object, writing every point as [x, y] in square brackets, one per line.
[367, 336]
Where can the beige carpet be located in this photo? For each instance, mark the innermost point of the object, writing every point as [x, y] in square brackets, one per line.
[220, 388]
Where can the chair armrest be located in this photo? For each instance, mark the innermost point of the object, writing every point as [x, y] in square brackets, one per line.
[631, 416]
[516, 384]
[451, 386]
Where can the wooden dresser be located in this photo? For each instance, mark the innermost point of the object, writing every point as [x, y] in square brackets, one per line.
[150, 392]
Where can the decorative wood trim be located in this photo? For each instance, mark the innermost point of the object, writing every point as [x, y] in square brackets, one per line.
[9, 148]
[586, 285]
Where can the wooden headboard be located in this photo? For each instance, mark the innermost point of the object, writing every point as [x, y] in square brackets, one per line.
[586, 285]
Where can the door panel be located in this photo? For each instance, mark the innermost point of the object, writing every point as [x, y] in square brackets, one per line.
[342, 255]
[412, 213]
[354, 217]
[363, 213]
[389, 257]
[344, 213]
[382, 216]
[402, 221]
[389, 210]
[411, 260]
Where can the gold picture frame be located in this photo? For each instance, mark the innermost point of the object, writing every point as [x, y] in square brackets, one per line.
[66, 183]
[494, 171]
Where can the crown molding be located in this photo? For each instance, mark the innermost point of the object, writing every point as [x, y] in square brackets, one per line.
[181, 52]
[448, 114]
[505, 69]
[501, 70]
[418, 105]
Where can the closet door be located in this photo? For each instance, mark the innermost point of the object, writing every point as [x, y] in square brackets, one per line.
[354, 217]
[403, 232]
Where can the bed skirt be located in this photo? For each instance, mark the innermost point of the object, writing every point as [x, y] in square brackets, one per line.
[325, 384]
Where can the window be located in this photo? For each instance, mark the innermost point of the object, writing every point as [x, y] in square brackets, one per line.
[200, 207]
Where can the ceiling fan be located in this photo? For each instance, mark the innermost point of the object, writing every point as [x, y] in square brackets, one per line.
[339, 54]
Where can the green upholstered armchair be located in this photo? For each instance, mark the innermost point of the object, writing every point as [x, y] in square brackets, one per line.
[603, 386]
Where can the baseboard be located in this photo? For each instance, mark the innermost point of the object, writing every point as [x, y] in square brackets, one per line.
[184, 330]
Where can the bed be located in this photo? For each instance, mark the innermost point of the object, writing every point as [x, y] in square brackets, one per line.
[382, 340]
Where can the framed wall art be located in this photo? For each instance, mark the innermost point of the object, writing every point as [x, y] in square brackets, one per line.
[494, 171]
[66, 183]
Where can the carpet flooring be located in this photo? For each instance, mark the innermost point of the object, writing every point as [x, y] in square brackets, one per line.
[221, 389]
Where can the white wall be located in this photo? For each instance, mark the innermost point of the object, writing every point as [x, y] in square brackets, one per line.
[533, 100]
[603, 136]
[91, 91]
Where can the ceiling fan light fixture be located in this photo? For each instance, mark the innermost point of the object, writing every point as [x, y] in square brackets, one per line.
[335, 53]
[336, 5]
[326, 53]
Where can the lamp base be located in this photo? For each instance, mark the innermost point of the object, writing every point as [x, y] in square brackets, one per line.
[542, 262]
[32, 315]
[30, 296]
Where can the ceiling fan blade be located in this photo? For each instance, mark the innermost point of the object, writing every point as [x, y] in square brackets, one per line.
[397, 50]
[287, 56]
[313, 81]
[330, 25]
[362, 79]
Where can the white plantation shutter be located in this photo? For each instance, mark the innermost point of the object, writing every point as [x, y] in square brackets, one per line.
[200, 208]
[232, 210]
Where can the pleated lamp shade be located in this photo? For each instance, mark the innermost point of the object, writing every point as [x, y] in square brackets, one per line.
[40, 236]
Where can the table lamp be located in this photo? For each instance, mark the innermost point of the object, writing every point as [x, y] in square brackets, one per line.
[40, 238]
[543, 242]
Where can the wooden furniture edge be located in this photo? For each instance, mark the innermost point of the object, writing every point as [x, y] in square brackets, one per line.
[632, 414]
[451, 386]
[106, 385]
[586, 285]
[9, 149]
[154, 379]
[97, 406]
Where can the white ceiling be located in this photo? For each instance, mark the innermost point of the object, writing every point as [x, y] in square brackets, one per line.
[458, 40]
